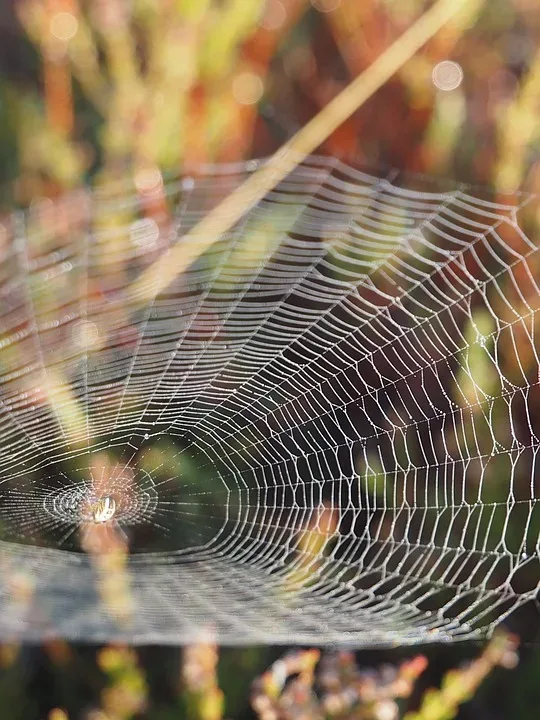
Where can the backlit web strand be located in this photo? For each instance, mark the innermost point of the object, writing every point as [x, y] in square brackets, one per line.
[324, 431]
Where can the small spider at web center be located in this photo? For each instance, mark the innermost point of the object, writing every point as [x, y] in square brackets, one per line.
[104, 509]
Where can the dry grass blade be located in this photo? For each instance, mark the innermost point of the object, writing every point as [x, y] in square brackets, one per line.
[159, 276]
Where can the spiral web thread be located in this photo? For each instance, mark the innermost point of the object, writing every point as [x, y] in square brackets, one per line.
[324, 431]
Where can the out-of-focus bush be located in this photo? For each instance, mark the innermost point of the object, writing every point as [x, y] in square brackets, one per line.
[107, 92]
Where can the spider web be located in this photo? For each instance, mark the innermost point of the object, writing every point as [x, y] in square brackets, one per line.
[324, 431]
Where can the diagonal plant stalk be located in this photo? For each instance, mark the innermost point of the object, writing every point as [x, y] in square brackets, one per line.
[160, 275]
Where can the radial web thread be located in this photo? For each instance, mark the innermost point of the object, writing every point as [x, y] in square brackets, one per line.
[324, 431]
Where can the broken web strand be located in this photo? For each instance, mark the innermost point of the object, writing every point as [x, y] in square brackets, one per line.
[342, 592]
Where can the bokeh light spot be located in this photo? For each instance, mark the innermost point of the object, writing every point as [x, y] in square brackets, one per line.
[274, 15]
[64, 26]
[148, 179]
[247, 88]
[326, 6]
[447, 75]
[85, 335]
[145, 233]
[58, 714]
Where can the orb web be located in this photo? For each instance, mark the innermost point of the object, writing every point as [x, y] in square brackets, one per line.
[325, 430]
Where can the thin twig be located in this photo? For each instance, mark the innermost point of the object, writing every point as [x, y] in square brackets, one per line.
[160, 275]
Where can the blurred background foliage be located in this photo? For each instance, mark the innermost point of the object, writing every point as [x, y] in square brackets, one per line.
[134, 92]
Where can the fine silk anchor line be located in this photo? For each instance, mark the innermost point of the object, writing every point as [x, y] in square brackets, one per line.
[324, 430]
